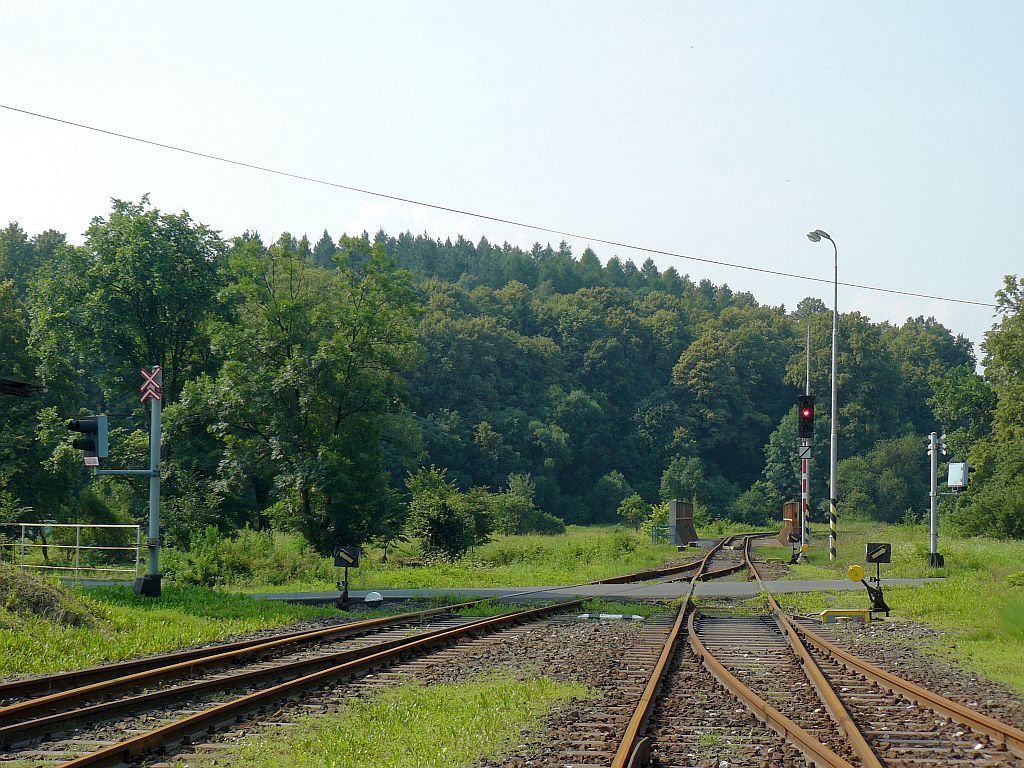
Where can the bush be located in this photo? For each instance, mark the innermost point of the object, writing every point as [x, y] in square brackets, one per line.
[657, 519]
[516, 515]
[439, 516]
[248, 556]
[633, 510]
[758, 505]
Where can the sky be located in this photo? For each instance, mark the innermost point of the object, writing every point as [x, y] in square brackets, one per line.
[718, 130]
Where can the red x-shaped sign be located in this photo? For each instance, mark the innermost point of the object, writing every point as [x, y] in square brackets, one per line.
[149, 378]
[150, 384]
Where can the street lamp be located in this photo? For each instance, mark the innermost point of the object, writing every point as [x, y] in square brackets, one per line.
[815, 236]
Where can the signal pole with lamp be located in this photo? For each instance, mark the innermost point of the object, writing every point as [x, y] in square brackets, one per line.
[152, 380]
[936, 445]
[804, 431]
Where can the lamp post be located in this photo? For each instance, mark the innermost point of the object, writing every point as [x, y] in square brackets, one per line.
[815, 236]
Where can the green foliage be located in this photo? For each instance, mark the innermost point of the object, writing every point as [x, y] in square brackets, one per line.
[118, 625]
[308, 396]
[247, 557]
[608, 494]
[963, 403]
[143, 287]
[516, 515]
[582, 554]
[885, 482]
[633, 510]
[304, 381]
[415, 726]
[658, 518]
[438, 517]
[994, 501]
[759, 505]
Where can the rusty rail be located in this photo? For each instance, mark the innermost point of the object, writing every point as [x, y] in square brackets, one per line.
[1011, 737]
[181, 663]
[209, 719]
[633, 749]
[813, 749]
[1002, 733]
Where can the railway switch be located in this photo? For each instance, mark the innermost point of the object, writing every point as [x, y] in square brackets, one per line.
[874, 553]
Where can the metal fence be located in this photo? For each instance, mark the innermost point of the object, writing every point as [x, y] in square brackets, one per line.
[96, 549]
[659, 534]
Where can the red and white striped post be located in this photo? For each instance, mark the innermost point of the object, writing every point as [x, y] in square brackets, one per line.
[805, 502]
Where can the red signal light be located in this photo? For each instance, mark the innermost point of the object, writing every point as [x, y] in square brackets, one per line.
[805, 422]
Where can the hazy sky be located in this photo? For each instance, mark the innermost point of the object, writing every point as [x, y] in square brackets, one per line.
[723, 130]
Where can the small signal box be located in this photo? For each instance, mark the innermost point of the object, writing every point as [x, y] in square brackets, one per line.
[346, 557]
[878, 553]
[958, 475]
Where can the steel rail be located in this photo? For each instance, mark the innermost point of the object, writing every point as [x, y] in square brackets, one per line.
[813, 750]
[206, 657]
[833, 704]
[633, 750]
[682, 568]
[81, 677]
[1007, 735]
[653, 573]
[48, 724]
[1010, 737]
[211, 718]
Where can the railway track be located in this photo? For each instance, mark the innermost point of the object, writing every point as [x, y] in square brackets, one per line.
[592, 740]
[64, 719]
[727, 560]
[71, 727]
[804, 700]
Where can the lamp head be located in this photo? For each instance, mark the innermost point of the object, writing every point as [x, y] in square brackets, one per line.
[813, 236]
[820, 234]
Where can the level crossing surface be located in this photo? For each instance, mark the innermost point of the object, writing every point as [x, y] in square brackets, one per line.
[643, 591]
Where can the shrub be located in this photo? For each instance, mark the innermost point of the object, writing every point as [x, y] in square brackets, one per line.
[633, 510]
[516, 515]
[248, 556]
[444, 526]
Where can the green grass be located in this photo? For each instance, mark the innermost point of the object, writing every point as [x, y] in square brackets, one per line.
[980, 604]
[580, 555]
[120, 625]
[415, 726]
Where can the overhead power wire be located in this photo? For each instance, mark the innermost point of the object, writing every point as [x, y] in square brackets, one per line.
[484, 216]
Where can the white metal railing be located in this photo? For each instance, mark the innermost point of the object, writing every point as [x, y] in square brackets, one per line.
[26, 543]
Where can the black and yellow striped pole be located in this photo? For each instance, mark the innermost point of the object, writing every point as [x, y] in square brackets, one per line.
[833, 415]
[831, 529]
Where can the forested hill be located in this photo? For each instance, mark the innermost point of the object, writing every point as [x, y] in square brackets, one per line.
[305, 381]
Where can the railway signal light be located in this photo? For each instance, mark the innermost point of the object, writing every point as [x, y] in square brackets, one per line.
[805, 417]
[94, 438]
